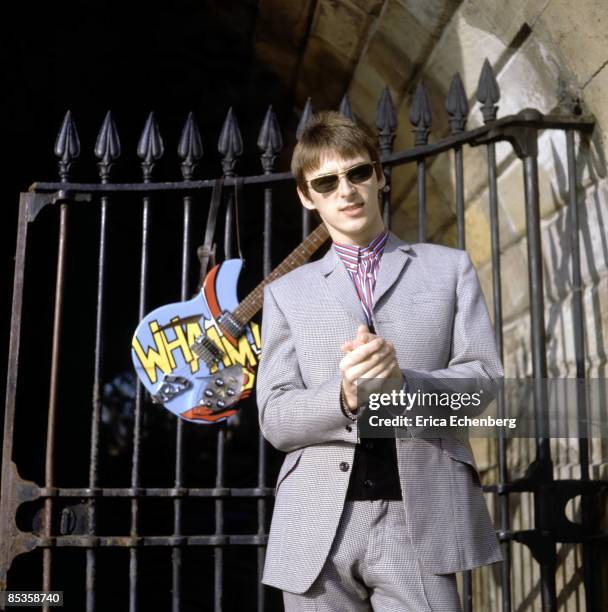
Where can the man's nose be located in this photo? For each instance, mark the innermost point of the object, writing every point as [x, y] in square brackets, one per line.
[345, 187]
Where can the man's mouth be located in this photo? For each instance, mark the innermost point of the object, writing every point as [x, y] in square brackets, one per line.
[352, 207]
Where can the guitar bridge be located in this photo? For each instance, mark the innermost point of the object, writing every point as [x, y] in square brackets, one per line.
[207, 350]
[169, 388]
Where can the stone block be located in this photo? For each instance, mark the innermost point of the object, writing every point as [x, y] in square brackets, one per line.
[514, 277]
[338, 33]
[593, 206]
[477, 233]
[404, 139]
[507, 23]
[475, 170]
[281, 31]
[284, 24]
[342, 25]
[595, 307]
[396, 46]
[466, 41]
[405, 217]
[364, 93]
[431, 14]
[594, 96]
[511, 193]
[591, 163]
[325, 92]
[484, 274]
[579, 32]
[529, 79]
[282, 62]
[371, 7]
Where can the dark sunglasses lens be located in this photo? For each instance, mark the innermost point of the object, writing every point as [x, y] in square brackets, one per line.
[361, 173]
[324, 184]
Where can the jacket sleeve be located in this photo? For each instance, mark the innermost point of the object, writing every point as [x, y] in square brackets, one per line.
[291, 415]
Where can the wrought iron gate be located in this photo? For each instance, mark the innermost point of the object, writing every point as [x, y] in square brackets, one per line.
[58, 504]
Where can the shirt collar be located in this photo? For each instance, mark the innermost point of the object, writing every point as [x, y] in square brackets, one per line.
[351, 254]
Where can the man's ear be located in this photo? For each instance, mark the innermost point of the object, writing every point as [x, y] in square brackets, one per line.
[306, 203]
[381, 180]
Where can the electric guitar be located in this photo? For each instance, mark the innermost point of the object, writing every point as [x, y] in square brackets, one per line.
[198, 357]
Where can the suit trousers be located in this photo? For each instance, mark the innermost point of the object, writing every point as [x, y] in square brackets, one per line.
[373, 566]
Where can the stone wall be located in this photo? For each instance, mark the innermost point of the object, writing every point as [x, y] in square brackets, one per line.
[546, 54]
[552, 58]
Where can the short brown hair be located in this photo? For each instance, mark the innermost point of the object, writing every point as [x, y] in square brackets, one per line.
[330, 131]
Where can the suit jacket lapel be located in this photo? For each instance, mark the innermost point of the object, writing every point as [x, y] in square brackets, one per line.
[341, 286]
[393, 260]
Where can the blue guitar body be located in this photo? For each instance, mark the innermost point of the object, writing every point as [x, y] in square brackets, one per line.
[190, 359]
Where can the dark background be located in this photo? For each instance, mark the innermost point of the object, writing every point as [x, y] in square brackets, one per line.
[131, 58]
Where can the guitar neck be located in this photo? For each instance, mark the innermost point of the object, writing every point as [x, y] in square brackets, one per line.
[253, 302]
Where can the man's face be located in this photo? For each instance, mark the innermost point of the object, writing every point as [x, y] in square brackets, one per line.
[351, 211]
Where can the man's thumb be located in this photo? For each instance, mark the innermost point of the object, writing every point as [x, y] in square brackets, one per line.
[362, 333]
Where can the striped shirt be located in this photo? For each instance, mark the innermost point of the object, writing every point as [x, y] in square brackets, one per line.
[363, 264]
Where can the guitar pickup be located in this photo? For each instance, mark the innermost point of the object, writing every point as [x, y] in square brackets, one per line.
[230, 324]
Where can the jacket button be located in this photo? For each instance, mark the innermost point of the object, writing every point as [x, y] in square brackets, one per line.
[349, 428]
[368, 484]
[344, 466]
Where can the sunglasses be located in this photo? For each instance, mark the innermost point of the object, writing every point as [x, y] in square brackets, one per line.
[356, 175]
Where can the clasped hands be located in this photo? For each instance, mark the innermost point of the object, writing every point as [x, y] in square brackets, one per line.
[368, 356]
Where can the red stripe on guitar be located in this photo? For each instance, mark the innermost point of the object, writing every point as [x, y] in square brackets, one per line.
[202, 413]
[209, 292]
[211, 298]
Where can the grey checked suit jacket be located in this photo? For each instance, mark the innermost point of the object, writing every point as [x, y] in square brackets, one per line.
[428, 302]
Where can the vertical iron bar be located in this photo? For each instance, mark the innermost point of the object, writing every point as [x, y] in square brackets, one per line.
[149, 150]
[539, 362]
[67, 148]
[221, 438]
[267, 239]
[459, 173]
[459, 176]
[143, 278]
[230, 145]
[262, 448]
[107, 150]
[94, 450]
[11, 383]
[228, 251]
[386, 197]
[269, 143]
[421, 119]
[458, 109]
[176, 552]
[421, 172]
[504, 511]
[467, 603]
[53, 391]
[503, 499]
[579, 354]
[306, 214]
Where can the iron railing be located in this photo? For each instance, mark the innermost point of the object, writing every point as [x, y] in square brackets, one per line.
[78, 506]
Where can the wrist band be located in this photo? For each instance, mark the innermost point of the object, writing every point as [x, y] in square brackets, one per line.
[345, 409]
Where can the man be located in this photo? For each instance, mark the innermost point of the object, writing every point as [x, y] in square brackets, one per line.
[368, 524]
